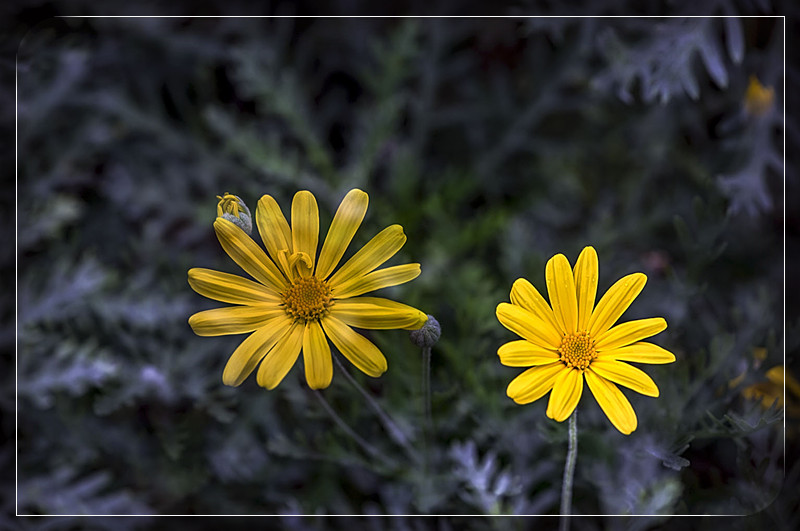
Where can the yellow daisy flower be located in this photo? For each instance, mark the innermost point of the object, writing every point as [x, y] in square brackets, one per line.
[298, 302]
[574, 339]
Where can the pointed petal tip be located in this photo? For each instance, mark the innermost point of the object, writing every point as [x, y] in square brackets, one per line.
[377, 371]
[515, 396]
[230, 382]
[422, 318]
[588, 252]
[233, 378]
[500, 308]
[222, 222]
[268, 385]
[397, 227]
[359, 192]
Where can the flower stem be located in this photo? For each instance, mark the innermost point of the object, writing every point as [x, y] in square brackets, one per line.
[371, 450]
[426, 382]
[426, 390]
[569, 472]
[391, 426]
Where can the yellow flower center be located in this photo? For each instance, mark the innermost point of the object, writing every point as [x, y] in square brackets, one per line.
[308, 299]
[577, 350]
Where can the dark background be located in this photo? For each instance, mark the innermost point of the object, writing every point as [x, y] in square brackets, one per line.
[496, 143]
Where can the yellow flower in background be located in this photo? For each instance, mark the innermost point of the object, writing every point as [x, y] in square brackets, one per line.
[771, 390]
[298, 302]
[572, 339]
[758, 99]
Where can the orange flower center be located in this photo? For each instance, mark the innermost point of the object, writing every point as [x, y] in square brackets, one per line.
[308, 299]
[577, 350]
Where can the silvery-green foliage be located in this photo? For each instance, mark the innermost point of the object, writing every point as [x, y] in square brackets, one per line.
[757, 156]
[69, 492]
[496, 489]
[664, 62]
[496, 143]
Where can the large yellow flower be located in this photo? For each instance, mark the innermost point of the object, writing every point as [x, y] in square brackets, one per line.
[298, 300]
[575, 339]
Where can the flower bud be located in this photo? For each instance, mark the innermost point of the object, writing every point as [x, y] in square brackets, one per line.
[232, 208]
[428, 335]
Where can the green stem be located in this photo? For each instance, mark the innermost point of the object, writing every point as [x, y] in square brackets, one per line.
[569, 472]
[371, 450]
[391, 426]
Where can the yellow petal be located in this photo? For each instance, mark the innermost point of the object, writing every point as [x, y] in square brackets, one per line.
[233, 320]
[586, 272]
[247, 355]
[382, 278]
[640, 352]
[305, 228]
[379, 249]
[317, 357]
[613, 403]
[525, 354]
[779, 376]
[525, 324]
[534, 383]
[343, 227]
[282, 357]
[561, 290]
[249, 256]
[355, 347]
[274, 230]
[377, 313]
[614, 303]
[225, 287]
[630, 332]
[566, 394]
[626, 375]
[524, 294]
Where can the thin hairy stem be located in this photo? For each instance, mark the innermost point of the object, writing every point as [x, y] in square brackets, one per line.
[569, 473]
[390, 425]
[371, 450]
[426, 397]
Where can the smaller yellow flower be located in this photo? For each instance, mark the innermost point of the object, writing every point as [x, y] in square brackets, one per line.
[571, 339]
[299, 299]
[758, 99]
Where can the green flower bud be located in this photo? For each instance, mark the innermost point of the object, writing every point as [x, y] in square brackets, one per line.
[428, 335]
[232, 208]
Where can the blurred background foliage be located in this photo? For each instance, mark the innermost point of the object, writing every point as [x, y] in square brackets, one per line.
[496, 143]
